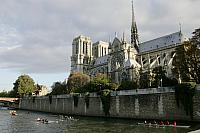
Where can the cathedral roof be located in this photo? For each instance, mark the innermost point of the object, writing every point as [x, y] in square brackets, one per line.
[131, 63]
[116, 41]
[161, 42]
[101, 60]
[100, 42]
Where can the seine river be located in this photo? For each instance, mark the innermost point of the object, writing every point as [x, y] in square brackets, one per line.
[25, 122]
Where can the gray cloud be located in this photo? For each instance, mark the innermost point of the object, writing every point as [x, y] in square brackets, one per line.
[36, 35]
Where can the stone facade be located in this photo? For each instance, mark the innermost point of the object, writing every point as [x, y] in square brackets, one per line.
[81, 54]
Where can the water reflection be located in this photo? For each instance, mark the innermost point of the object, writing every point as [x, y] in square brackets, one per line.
[26, 122]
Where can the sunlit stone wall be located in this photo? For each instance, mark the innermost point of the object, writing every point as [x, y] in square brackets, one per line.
[156, 103]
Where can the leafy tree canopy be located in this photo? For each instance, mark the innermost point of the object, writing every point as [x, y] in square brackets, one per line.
[7, 94]
[128, 85]
[76, 81]
[187, 59]
[145, 79]
[184, 93]
[4, 94]
[24, 85]
[97, 84]
[160, 78]
[58, 88]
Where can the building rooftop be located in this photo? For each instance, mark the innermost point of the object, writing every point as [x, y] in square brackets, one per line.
[101, 60]
[161, 42]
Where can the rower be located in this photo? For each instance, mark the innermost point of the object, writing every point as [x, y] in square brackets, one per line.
[38, 119]
[46, 121]
[174, 124]
[167, 122]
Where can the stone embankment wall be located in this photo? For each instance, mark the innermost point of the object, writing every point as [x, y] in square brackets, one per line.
[140, 104]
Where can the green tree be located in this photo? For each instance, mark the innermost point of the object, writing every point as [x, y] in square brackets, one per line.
[7, 93]
[58, 88]
[38, 89]
[12, 93]
[128, 85]
[4, 94]
[181, 69]
[145, 79]
[76, 81]
[158, 76]
[98, 83]
[184, 93]
[101, 82]
[24, 85]
[187, 59]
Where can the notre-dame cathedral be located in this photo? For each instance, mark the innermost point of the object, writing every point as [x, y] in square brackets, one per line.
[123, 60]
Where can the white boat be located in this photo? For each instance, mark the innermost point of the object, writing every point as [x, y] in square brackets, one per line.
[158, 125]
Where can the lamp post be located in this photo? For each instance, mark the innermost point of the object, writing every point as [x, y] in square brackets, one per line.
[161, 82]
[90, 81]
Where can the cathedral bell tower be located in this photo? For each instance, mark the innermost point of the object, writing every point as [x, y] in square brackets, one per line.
[134, 31]
[81, 54]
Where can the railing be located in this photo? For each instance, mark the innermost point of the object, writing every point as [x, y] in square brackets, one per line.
[124, 92]
[143, 91]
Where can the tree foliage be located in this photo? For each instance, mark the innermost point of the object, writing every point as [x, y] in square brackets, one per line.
[4, 94]
[24, 85]
[7, 94]
[105, 99]
[128, 85]
[38, 88]
[98, 83]
[187, 59]
[58, 88]
[76, 81]
[184, 93]
[145, 79]
[160, 78]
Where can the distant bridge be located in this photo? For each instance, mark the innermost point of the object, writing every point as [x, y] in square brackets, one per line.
[6, 99]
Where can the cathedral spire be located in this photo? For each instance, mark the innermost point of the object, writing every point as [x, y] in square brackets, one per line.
[134, 32]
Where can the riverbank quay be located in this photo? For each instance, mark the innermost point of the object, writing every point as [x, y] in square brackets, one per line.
[153, 103]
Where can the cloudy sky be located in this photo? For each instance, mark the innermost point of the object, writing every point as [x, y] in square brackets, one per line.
[36, 35]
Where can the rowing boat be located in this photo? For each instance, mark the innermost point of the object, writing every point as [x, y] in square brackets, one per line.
[157, 125]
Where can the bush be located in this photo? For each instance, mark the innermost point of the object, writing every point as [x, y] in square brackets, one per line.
[75, 97]
[105, 99]
[87, 100]
[128, 85]
[184, 94]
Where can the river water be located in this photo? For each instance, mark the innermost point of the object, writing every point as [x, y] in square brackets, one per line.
[25, 122]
